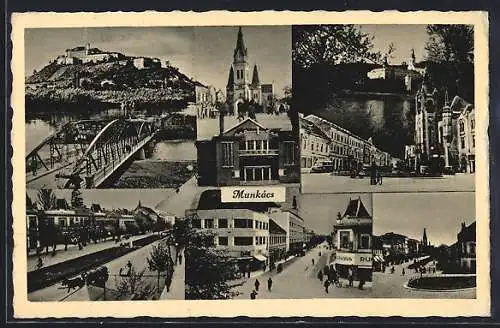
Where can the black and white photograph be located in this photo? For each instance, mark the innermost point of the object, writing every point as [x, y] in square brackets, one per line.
[299, 249]
[109, 107]
[247, 133]
[385, 108]
[103, 245]
[426, 248]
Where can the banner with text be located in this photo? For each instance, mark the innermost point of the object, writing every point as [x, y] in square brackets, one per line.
[358, 259]
[253, 194]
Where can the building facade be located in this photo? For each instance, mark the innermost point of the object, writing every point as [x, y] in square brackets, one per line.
[466, 248]
[277, 242]
[248, 154]
[241, 86]
[346, 150]
[294, 226]
[353, 238]
[466, 137]
[315, 144]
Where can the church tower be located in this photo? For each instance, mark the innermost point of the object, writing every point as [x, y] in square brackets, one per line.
[238, 86]
[255, 87]
[424, 239]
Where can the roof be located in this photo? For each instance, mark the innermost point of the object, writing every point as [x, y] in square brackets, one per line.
[460, 105]
[240, 45]
[211, 200]
[247, 124]
[255, 76]
[392, 235]
[468, 233]
[230, 79]
[275, 228]
[312, 128]
[356, 209]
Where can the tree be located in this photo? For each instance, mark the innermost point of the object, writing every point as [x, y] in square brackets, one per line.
[331, 44]
[76, 199]
[450, 43]
[131, 284]
[46, 199]
[160, 260]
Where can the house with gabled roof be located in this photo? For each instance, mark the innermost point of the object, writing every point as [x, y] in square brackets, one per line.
[248, 154]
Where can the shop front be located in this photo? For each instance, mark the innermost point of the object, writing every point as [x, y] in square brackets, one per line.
[360, 263]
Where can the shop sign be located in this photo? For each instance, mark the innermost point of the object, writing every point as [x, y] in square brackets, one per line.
[358, 259]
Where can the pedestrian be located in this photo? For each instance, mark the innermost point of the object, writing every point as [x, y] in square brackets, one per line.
[403, 272]
[392, 269]
[257, 284]
[269, 284]
[253, 294]
[313, 261]
[264, 268]
[351, 277]
[326, 284]
[168, 281]
[39, 263]
[320, 275]
[180, 258]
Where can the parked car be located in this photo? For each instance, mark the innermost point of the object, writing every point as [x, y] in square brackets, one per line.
[322, 166]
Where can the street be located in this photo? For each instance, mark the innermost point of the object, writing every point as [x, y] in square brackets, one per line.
[209, 127]
[387, 285]
[138, 258]
[298, 281]
[328, 183]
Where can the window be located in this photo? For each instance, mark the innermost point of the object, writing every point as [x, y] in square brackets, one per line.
[344, 239]
[462, 126]
[223, 241]
[243, 223]
[472, 124]
[364, 242]
[222, 223]
[227, 154]
[473, 141]
[462, 142]
[289, 155]
[62, 222]
[243, 241]
[209, 223]
[196, 223]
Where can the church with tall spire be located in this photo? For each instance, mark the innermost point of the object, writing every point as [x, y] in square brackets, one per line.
[241, 86]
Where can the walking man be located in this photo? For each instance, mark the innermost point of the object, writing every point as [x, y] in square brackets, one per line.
[180, 258]
[351, 278]
[326, 284]
[403, 272]
[269, 284]
[320, 275]
[313, 261]
[253, 294]
[257, 284]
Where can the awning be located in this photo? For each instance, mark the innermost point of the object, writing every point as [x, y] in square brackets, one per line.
[261, 258]
[378, 258]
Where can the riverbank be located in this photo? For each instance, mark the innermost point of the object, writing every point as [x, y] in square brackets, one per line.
[156, 174]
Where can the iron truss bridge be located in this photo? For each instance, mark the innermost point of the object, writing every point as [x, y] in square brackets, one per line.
[88, 153]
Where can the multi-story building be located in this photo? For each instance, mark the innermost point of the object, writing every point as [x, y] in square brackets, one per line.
[294, 226]
[315, 144]
[240, 87]
[268, 98]
[466, 247]
[466, 136]
[353, 235]
[277, 242]
[248, 153]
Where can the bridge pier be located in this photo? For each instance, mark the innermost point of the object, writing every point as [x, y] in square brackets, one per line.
[141, 154]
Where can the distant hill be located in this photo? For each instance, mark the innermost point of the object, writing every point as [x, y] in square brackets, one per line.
[142, 81]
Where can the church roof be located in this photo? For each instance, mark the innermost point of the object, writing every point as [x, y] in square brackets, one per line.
[240, 45]
[356, 209]
[255, 76]
[230, 79]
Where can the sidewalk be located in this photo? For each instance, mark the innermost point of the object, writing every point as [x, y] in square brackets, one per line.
[74, 252]
[187, 198]
[177, 287]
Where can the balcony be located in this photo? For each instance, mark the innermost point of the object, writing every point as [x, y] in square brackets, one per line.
[259, 152]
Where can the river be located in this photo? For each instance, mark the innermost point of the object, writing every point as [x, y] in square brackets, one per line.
[388, 119]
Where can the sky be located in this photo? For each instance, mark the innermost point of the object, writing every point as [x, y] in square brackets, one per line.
[320, 210]
[440, 213]
[204, 53]
[404, 37]
[113, 198]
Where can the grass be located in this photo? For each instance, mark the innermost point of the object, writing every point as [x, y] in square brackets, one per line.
[443, 283]
[156, 174]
